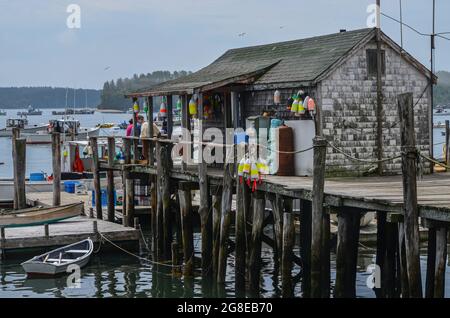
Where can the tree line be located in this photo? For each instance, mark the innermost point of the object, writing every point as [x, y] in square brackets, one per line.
[47, 97]
[113, 92]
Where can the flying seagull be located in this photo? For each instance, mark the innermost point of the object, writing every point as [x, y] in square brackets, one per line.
[242, 34]
[107, 68]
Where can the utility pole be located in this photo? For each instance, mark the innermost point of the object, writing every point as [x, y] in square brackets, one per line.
[379, 92]
[401, 25]
[433, 46]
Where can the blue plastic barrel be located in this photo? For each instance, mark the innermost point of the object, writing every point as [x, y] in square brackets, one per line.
[104, 196]
[37, 176]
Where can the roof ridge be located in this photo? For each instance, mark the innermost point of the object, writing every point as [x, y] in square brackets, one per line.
[298, 40]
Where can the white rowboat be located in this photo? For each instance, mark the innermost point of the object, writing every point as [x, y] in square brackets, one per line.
[58, 261]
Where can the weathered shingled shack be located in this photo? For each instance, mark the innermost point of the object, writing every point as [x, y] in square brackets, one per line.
[340, 72]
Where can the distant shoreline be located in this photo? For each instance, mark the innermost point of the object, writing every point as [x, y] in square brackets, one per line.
[110, 111]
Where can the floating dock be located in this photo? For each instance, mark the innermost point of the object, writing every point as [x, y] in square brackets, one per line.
[31, 238]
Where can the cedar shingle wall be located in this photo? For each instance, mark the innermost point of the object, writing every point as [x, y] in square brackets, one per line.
[349, 111]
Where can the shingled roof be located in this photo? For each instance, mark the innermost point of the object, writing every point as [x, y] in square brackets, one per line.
[301, 62]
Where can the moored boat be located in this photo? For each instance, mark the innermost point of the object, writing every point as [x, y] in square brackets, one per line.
[21, 123]
[31, 111]
[39, 216]
[58, 261]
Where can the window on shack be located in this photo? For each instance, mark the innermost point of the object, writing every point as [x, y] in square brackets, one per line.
[372, 64]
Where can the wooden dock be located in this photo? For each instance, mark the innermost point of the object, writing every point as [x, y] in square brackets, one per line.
[22, 239]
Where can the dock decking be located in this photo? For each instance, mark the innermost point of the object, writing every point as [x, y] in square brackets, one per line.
[370, 193]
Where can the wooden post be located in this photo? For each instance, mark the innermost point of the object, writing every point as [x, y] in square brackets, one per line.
[254, 265]
[389, 276]
[379, 108]
[447, 142]
[305, 245]
[318, 216]
[216, 206]
[441, 257]
[325, 256]
[15, 135]
[185, 199]
[2, 240]
[381, 251]
[95, 227]
[46, 230]
[110, 177]
[431, 262]
[163, 214]
[175, 260]
[185, 125]
[277, 211]
[240, 238]
[347, 253]
[127, 157]
[129, 200]
[151, 155]
[56, 162]
[169, 116]
[402, 255]
[96, 172]
[409, 167]
[204, 209]
[227, 199]
[19, 164]
[287, 253]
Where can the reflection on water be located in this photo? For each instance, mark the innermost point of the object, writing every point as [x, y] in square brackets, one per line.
[120, 275]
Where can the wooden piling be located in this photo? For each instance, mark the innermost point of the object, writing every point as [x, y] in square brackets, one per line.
[347, 253]
[390, 264]
[318, 216]
[441, 258]
[431, 262]
[175, 260]
[227, 198]
[287, 252]
[216, 217]
[254, 265]
[409, 168]
[163, 216]
[46, 231]
[96, 172]
[15, 135]
[205, 201]
[381, 251]
[150, 155]
[240, 239]
[56, 163]
[154, 209]
[402, 266]
[185, 199]
[19, 164]
[276, 202]
[447, 142]
[110, 178]
[305, 245]
[95, 227]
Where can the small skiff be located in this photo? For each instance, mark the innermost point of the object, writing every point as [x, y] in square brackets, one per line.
[39, 216]
[58, 261]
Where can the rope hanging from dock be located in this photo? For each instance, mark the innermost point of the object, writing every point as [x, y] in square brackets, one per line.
[103, 237]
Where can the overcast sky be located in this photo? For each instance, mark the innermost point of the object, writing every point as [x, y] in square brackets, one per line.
[118, 38]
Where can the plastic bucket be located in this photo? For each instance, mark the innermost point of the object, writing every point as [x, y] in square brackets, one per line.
[69, 186]
[37, 176]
